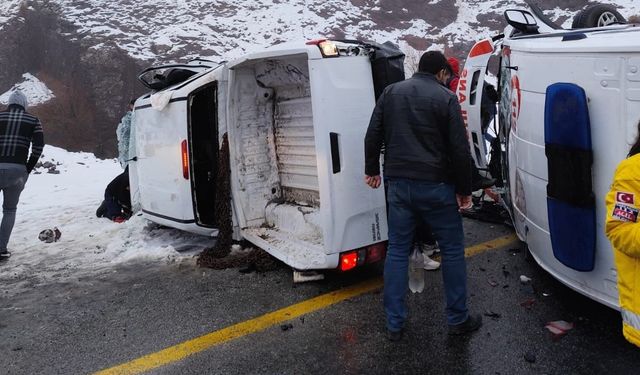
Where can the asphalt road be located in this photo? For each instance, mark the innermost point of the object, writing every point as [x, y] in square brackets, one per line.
[102, 321]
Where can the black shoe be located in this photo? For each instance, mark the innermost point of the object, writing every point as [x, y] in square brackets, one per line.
[394, 336]
[472, 323]
[102, 209]
[4, 254]
[483, 183]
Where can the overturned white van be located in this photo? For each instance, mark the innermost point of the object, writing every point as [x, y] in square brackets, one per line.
[295, 117]
[568, 111]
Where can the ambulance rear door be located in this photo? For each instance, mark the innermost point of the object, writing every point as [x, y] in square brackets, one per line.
[469, 92]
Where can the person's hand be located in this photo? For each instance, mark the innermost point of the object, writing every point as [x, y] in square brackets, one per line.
[464, 201]
[373, 181]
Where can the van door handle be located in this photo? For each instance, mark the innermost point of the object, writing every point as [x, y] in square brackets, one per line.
[335, 152]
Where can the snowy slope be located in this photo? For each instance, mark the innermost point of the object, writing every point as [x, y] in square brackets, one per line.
[34, 89]
[8, 9]
[88, 244]
[149, 29]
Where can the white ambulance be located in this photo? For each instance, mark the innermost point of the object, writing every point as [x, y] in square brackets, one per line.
[295, 116]
[568, 112]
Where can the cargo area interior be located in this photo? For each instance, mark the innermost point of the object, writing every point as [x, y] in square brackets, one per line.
[203, 137]
[272, 137]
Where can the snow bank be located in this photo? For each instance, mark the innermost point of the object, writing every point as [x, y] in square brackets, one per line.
[35, 90]
[88, 244]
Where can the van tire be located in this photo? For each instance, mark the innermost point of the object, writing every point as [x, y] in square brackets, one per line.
[598, 15]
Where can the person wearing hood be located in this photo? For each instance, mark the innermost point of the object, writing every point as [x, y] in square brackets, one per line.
[19, 130]
[116, 205]
[452, 82]
[123, 134]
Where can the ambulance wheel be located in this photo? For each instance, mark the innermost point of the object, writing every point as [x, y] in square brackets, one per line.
[599, 15]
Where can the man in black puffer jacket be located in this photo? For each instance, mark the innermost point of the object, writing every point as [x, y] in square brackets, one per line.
[429, 177]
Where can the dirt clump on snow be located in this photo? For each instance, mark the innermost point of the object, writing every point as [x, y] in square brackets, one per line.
[253, 260]
[222, 208]
[220, 255]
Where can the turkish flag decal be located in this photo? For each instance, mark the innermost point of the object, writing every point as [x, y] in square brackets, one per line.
[627, 198]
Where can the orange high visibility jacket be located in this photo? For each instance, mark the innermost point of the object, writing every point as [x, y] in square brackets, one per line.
[623, 230]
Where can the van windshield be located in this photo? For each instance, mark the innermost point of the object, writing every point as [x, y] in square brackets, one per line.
[506, 88]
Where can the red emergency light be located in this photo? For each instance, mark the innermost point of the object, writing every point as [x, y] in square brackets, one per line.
[481, 48]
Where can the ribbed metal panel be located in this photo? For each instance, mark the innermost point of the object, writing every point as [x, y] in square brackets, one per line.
[295, 144]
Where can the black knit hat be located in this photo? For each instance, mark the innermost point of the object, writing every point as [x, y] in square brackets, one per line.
[433, 62]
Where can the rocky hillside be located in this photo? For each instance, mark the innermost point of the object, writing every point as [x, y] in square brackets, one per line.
[87, 52]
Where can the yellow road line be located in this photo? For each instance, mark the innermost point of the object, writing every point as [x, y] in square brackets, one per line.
[490, 245]
[185, 349]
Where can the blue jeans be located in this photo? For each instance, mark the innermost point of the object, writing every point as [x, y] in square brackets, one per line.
[12, 181]
[435, 204]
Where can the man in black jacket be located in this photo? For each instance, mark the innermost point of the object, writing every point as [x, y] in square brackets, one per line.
[429, 177]
[18, 131]
[116, 205]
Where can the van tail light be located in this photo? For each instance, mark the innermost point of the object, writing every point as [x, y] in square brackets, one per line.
[185, 160]
[356, 258]
[377, 252]
[348, 260]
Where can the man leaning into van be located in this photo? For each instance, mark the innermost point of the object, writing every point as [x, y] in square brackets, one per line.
[429, 176]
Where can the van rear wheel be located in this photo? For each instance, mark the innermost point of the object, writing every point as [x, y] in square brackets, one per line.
[598, 15]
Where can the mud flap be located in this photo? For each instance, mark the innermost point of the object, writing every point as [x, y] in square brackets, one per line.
[570, 198]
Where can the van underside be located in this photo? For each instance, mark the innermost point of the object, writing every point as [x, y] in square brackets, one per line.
[275, 157]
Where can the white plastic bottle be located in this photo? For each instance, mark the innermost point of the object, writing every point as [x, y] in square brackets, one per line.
[416, 271]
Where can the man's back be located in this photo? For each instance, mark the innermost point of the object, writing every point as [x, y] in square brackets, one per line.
[421, 124]
[18, 130]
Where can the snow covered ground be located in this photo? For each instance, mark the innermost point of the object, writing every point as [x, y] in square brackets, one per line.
[88, 244]
[35, 90]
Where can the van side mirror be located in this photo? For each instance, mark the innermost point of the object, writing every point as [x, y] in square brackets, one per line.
[522, 21]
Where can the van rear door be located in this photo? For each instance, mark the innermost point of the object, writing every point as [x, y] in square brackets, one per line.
[354, 215]
[470, 90]
[176, 147]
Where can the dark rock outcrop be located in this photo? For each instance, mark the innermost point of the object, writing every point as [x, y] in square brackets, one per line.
[91, 85]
